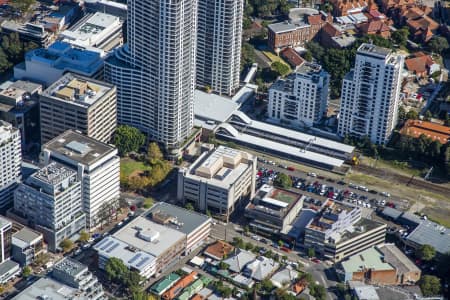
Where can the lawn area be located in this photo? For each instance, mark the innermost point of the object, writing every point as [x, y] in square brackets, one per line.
[128, 166]
[437, 215]
[274, 58]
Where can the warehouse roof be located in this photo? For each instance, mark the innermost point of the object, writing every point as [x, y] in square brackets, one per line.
[433, 234]
[368, 259]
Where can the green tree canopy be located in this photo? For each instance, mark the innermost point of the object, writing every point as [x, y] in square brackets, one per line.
[438, 44]
[84, 236]
[430, 285]
[66, 245]
[311, 252]
[400, 37]
[116, 270]
[148, 202]
[283, 181]
[154, 153]
[128, 139]
[26, 272]
[22, 5]
[318, 291]
[412, 115]
[189, 206]
[426, 252]
[280, 68]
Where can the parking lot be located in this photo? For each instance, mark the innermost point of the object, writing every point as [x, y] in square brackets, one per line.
[318, 188]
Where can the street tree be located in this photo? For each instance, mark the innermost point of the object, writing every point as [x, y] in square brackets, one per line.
[189, 206]
[148, 202]
[283, 181]
[66, 245]
[26, 272]
[412, 115]
[430, 285]
[311, 252]
[426, 252]
[84, 236]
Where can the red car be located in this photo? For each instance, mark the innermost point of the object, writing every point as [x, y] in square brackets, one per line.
[285, 249]
[291, 168]
[316, 260]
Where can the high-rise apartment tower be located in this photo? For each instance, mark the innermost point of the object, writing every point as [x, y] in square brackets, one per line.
[10, 161]
[370, 94]
[219, 44]
[155, 71]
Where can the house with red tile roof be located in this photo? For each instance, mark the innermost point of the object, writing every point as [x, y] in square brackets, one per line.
[421, 65]
[375, 27]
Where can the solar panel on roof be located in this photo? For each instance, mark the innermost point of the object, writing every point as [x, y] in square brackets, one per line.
[107, 245]
[142, 262]
[101, 243]
[113, 247]
[134, 258]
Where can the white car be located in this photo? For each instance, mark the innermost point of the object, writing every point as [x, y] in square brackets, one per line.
[312, 174]
[363, 188]
[255, 237]
[386, 194]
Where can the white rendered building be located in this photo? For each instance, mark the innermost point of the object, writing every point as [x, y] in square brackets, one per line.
[219, 40]
[300, 99]
[50, 200]
[155, 71]
[98, 168]
[218, 180]
[10, 160]
[99, 30]
[370, 94]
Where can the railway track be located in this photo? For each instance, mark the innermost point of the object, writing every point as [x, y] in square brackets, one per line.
[409, 181]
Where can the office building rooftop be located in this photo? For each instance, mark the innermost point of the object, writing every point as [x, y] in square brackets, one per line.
[52, 174]
[78, 90]
[6, 129]
[222, 167]
[176, 217]
[131, 257]
[92, 28]
[63, 56]
[46, 288]
[69, 266]
[27, 235]
[148, 236]
[4, 222]
[374, 50]
[79, 148]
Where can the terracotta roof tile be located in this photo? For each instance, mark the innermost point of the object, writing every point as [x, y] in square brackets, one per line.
[218, 250]
[331, 30]
[292, 56]
[416, 128]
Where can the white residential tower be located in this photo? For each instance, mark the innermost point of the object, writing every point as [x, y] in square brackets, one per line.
[370, 94]
[10, 160]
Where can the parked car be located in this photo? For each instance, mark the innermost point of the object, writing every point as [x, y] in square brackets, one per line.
[386, 194]
[312, 174]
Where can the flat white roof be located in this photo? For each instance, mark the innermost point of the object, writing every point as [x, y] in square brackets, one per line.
[213, 107]
[275, 202]
[290, 150]
[296, 135]
[164, 237]
[112, 247]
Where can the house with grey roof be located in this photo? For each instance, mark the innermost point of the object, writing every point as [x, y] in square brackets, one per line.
[261, 268]
[238, 262]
